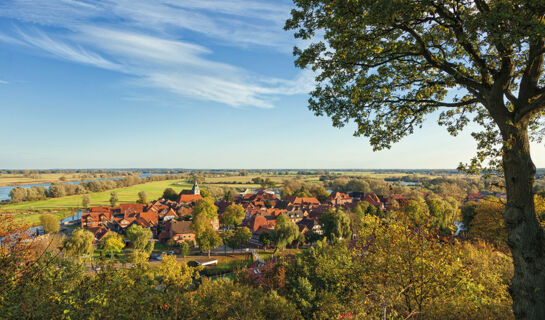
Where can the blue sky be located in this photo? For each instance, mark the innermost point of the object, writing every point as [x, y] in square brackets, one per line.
[172, 83]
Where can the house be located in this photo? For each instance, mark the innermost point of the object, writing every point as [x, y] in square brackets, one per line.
[294, 200]
[95, 219]
[99, 232]
[309, 225]
[262, 221]
[373, 199]
[295, 216]
[338, 199]
[178, 231]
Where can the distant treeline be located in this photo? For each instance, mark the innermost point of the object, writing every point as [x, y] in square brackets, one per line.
[57, 190]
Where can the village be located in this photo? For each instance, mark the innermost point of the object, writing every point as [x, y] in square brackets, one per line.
[171, 221]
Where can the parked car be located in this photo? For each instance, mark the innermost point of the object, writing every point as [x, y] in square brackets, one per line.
[171, 253]
[156, 257]
[196, 263]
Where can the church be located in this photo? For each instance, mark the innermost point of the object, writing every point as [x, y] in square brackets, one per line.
[190, 196]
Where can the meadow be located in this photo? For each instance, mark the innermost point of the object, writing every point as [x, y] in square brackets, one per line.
[154, 190]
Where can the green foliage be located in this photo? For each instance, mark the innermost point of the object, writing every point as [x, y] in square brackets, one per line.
[487, 224]
[215, 301]
[170, 194]
[335, 224]
[80, 243]
[139, 236]
[233, 215]
[50, 223]
[142, 197]
[208, 239]
[85, 200]
[443, 212]
[205, 207]
[387, 65]
[112, 244]
[285, 232]
[205, 193]
[185, 248]
[468, 212]
[176, 275]
[113, 198]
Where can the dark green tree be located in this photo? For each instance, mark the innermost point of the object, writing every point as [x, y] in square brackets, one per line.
[335, 224]
[170, 194]
[113, 198]
[386, 65]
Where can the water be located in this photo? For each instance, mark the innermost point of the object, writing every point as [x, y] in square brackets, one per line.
[405, 183]
[4, 191]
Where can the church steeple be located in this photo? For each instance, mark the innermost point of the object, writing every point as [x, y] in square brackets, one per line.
[196, 189]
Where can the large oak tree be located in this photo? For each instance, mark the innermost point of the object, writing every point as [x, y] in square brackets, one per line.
[386, 64]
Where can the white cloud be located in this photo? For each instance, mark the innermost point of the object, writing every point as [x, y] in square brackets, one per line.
[145, 39]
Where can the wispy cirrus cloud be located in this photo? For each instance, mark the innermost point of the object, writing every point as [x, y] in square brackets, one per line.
[149, 41]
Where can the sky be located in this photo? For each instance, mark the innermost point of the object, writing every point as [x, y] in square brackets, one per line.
[176, 84]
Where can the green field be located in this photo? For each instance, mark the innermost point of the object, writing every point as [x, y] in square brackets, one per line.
[154, 190]
[33, 219]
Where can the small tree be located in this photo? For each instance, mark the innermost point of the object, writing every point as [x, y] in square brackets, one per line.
[113, 198]
[208, 240]
[170, 194]
[142, 197]
[171, 243]
[85, 200]
[113, 243]
[242, 235]
[50, 223]
[185, 248]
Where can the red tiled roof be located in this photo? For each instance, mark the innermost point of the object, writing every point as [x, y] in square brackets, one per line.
[189, 198]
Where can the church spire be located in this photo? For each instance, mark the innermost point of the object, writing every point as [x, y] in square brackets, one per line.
[196, 189]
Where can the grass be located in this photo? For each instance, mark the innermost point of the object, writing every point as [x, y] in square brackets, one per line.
[154, 190]
[33, 219]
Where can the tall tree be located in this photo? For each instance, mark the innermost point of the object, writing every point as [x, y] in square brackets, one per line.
[80, 243]
[139, 236]
[335, 224]
[233, 215]
[205, 207]
[85, 200]
[208, 239]
[285, 232]
[387, 64]
[113, 198]
[50, 223]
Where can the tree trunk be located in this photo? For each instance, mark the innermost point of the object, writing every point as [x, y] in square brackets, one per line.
[525, 235]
